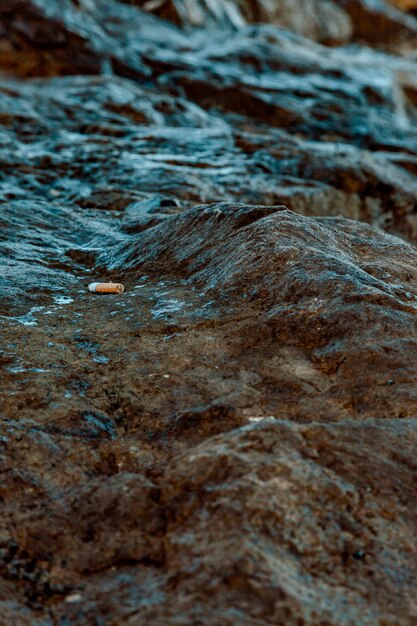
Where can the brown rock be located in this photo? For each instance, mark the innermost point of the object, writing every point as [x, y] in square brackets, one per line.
[328, 21]
[231, 441]
[405, 5]
[380, 24]
[322, 21]
[252, 258]
[293, 525]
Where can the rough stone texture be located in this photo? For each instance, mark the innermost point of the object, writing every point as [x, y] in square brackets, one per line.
[322, 20]
[378, 22]
[232, 441]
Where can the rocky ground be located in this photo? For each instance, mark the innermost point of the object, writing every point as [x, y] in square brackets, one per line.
[232, 441]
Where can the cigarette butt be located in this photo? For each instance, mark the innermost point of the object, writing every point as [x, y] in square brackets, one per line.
[106, 287]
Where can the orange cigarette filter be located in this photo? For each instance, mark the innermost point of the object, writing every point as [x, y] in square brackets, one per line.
[106, 287]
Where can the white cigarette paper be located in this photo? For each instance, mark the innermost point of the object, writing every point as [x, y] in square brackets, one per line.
[106, 288]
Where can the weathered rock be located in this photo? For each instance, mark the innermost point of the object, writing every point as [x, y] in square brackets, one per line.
[315, 287]
[230, 441]
[50, 37]
[380, 24]
[246, 312]
[338, 141]
[293, 525]
[323, 21]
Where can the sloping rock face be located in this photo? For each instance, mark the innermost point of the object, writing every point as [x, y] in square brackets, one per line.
[321, 20]
[381, 23]
[378, 22]
[232, 440]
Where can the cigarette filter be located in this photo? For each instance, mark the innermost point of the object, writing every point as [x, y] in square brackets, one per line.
[106, 287]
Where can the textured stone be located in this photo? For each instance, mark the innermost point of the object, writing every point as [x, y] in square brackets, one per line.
[380, 24]
[321, 20]
[232, 440]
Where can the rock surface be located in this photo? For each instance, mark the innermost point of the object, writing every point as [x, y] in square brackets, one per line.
[378, 22]
[231, 441]
[405, 5]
